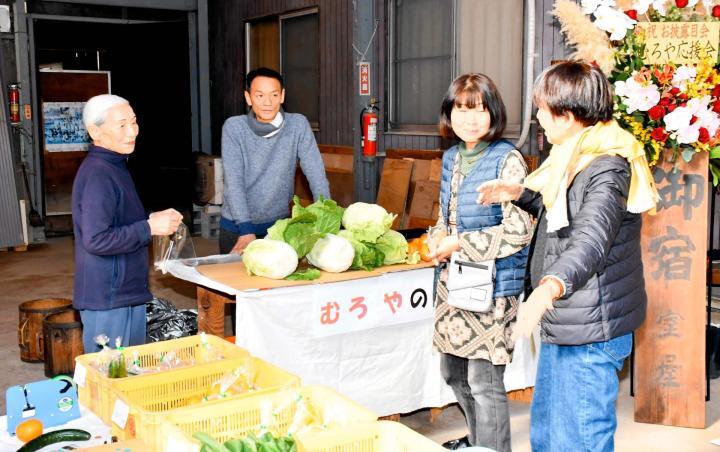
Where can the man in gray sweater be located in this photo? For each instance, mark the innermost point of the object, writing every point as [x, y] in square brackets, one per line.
[260, 152]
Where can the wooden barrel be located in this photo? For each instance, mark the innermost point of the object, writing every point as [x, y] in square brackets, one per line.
[30, 328]
[63, 342]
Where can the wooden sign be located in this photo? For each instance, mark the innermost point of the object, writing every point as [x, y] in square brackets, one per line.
[680, 42]
[670, 345]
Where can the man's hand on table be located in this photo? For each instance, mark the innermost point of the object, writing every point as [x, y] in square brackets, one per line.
[242, 242]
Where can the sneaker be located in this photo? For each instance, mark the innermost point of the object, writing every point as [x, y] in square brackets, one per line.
[454, 444]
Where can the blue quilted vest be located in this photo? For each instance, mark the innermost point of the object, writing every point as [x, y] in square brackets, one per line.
[471, 216]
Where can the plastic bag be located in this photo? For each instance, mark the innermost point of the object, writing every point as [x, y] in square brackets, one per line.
[172, 247]
[165, 321]
[111, 362]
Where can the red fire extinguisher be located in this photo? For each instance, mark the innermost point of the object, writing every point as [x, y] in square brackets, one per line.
[14, 102]
[369, 127]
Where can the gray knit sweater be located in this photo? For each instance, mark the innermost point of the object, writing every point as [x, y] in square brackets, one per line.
[259, 173]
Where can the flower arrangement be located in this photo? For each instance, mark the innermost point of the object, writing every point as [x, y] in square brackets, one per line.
[668, 106]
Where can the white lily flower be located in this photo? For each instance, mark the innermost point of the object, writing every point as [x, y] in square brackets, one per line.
[589, 6]
[660, 6]
[614, 21]
[678, 119]
[700, 108]
[697, 105]
[682, 75]
[642, 6]
[710, 120]
[688, 134]
[637, 97]
[708, 5]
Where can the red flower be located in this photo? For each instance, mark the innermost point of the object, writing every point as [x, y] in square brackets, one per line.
[632, 13]
[656, 112]
[675, 90]
[704, 135]
[716, 90]
[716, 107]
[671, 108]
[716, 11]
[681, 3]
[693, 119]
[659, 134]
[665, 102]
[683, 96]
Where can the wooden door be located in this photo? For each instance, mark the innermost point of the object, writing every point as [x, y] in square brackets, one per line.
[63, 95]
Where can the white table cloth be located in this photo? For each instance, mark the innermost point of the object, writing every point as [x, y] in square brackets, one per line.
[389, 369]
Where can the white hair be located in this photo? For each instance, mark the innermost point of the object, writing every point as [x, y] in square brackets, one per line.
[95, 111]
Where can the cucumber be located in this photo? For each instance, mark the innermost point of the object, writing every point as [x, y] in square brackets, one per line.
[68, 434]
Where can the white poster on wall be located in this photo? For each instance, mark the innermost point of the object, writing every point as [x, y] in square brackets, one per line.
[64, 128]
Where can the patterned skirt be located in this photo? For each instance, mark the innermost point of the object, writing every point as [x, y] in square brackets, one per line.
[475, 335]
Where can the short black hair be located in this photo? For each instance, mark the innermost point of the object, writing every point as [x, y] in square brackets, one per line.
[472, 90]
[576, 87]
[263, 72]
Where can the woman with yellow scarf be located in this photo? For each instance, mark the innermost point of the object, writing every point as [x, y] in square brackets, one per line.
[585, 275]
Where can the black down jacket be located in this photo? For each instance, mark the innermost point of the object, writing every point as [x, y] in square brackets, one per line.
[597, 256]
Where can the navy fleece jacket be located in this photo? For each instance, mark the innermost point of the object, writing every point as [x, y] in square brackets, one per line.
[111, 234]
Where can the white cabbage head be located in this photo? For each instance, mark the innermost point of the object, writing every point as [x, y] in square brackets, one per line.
[332, 254]
[270, 258]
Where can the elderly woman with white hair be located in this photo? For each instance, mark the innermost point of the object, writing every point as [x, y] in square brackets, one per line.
[112, 231]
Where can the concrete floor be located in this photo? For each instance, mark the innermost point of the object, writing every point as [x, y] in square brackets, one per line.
[45, 271]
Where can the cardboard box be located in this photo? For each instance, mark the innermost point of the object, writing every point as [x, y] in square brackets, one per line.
[209, 179]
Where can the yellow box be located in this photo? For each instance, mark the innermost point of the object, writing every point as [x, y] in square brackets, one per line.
[380, 436]
[94, 393]
[236, 418]
[178, 393]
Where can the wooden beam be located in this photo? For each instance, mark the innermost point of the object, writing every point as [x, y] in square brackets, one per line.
[180, 5]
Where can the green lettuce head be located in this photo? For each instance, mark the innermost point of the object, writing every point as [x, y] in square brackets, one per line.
[394, 247]
[367, 222]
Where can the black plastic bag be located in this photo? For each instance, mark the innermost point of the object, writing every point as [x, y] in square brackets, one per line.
[165, 321]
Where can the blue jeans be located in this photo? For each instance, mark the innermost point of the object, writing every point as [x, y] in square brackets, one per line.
[128, 323]
[573, 407]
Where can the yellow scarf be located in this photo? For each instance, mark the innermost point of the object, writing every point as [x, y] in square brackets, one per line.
[572, 156]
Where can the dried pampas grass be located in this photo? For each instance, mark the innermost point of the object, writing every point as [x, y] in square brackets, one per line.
[591, 44]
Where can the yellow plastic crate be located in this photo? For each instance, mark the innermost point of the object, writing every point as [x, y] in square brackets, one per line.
[154, 397]
[95, 393]
[236, 418]
[380, 436]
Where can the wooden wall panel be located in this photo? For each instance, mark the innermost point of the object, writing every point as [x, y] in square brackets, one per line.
[549, 45]
[228, 62]
[337, 116]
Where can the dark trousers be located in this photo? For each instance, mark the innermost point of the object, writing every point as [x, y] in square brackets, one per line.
[480, 390]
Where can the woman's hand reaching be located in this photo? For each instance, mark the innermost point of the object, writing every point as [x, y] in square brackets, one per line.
[498, 190]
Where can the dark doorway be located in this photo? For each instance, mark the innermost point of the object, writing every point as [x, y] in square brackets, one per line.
[149, 66]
